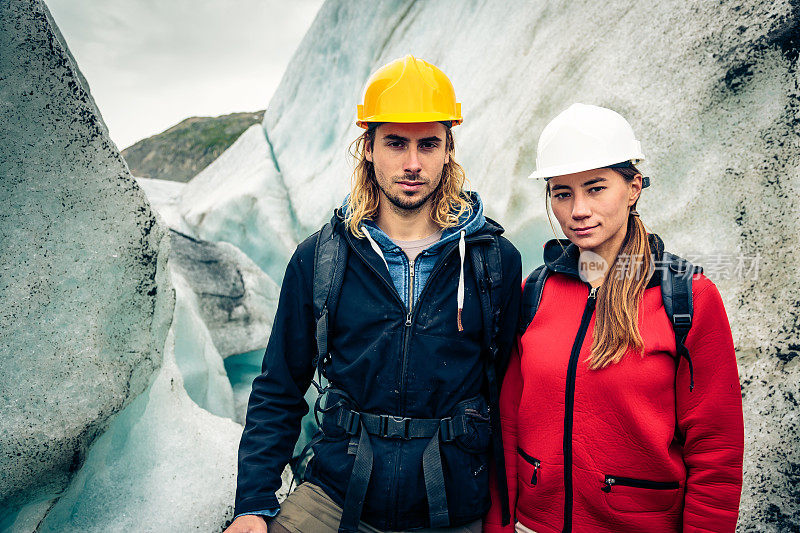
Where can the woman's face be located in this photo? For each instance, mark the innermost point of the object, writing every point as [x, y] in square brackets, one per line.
[592, 208]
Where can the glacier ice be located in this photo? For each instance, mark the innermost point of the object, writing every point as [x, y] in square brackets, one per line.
[164, 464]
[241, 370]
[710, 89]
[196, 356]
[246, 205]
[97, 430]
[164, 197]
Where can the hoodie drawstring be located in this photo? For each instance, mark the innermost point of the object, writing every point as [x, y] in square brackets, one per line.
[462, 250]
[375, 246]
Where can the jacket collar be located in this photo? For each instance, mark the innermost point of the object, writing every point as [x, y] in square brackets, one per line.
[561, 255]
[475, 226]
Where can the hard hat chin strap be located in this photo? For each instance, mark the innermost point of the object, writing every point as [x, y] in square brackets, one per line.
[628, 164]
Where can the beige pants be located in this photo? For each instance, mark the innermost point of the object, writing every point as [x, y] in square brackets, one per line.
[519, 528]
[309, 510]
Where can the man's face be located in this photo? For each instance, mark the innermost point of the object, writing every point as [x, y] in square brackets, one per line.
[408, 161]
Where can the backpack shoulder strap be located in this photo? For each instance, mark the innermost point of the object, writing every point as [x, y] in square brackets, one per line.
[488, 269]
[487, 266]
[330, 261]
[676, 293]
[532, 296]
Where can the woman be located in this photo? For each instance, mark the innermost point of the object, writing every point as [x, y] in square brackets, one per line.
[605, 426]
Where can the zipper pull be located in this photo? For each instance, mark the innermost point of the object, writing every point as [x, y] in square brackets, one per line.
[408, 320]
[593, 293]
[536, 466]
[609, 482]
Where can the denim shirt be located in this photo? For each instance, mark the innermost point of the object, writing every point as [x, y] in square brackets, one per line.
[397, 262]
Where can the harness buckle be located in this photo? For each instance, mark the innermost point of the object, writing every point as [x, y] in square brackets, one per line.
[680, 267]
[682, 320]
[446, 433]
[395, 427]
[352, 422]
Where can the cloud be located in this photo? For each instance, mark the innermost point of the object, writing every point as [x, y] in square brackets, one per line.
[152, 63]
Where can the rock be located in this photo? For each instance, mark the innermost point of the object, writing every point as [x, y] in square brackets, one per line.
[236, 300]
[83, 319]
[183, 150]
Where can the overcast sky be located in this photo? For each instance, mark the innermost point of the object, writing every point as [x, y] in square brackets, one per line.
[152, 63]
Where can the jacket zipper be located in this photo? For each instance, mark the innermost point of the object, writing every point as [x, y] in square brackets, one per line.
[638, 483]
[388, 285]
[572, 370]
[535, 462]
[412, 313]
[410, 316]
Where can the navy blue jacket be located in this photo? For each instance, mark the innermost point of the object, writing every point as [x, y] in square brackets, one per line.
[422, 370]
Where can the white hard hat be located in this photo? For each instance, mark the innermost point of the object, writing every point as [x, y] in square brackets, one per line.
[584, 137]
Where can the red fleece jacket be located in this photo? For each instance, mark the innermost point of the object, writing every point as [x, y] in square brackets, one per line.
[624, 423]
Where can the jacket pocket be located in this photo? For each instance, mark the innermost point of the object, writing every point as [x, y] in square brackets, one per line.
[465, 455]
[529, 475]
[640, 495]
[475, 433]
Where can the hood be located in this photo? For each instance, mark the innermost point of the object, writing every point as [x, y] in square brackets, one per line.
[471, 222]
[561, 255]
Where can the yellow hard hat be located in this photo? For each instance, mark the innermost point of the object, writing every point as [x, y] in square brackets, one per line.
[409, 90]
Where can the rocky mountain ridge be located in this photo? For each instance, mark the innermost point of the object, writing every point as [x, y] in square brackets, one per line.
[180, 152]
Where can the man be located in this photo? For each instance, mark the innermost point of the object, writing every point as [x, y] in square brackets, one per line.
[407, 302]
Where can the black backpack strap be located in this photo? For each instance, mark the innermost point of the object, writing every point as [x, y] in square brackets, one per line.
[676, 293]
[360, 425]
[487, 266]
[357, 486]
[330, 261]
[532, 296]
[488, 269]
